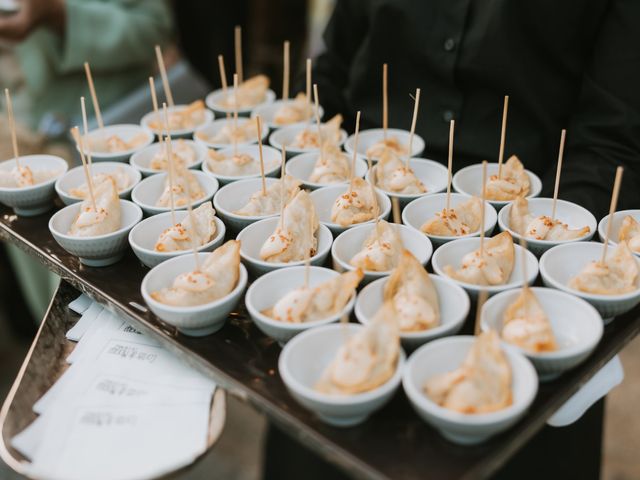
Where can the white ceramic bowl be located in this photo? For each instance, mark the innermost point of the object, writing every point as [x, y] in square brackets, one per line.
[468, 180]
[176, 133]
[451, 254]
[271, 287]
[141, 160]
[350, 242]
[416, 213]
[268, 111]
[286, 135]
[304, 358]
[272, 163]
[214, 98]
[301, 166]
[144, 236]
[149, 190]
[233, 196]
[618, 217]
[37, 199]
[447, 354]
[196, 321]
[561, 263]
[125, 132]
[205, 132]
[567, 212]
[432, 174]
[454, 308]
[324, 198]
[256, 234]
[368, 138]
[76, 177]
[98, 251]
[576, 325]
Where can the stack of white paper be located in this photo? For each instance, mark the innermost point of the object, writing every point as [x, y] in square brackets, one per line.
[126, 408]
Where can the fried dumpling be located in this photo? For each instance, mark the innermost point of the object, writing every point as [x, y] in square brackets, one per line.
[181, 118]
[308, 138]
[542, 227]
[249, 93]
[306, 304]
[617, 275]
[103, 219]
[367, 359]
[295, 235]
[392, 175]
[115, 143]
[466, 218]
[413, 294]
[245, 131]
[381, 250]
[525, 324]
[295, 111]
[358, 204]
[186, 234]
[217, 277]
[240, 164]
[20, 177]
[630, 233]
[494, 267]
[268, 204]
[513, 183]
[183, 156]
[119, 177]
[184, 183]
[482, 384]
[333, 166]
[390, 145]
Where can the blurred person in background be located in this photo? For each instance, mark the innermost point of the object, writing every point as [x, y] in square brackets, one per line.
[43, 47]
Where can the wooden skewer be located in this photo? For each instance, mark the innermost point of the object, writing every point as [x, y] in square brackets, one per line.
[308, 89]
[503, 134]
[395, 208]
[556, 187]
[235, 114]
[482, 297]
[85, 126]
[525, 283]
[385, 100]
[482, 206]
[94, 97]
[285, 74]
[373, 191]
[317, 115]
[75, 132]
[12, 127]
[307, 260]
[169, 153]
[452, 126]
[413, 125]
[355, 150]
[264, 182]
[612, 209]
[165, 78]
[223, 79]
[194, 226]
[283, 190]
[238, 50]
[154, 97]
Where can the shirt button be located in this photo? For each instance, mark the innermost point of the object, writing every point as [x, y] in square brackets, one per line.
[447, 115]
[449, 44]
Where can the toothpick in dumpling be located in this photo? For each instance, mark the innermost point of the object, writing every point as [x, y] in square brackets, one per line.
[630, 232]
[542, 227]
[389, 145]
[217, 277]
[367, 359]
[381, 250]
[298, 110]
[184, 182]
[305, 304]
[308, 138]
[268, 204]
[119, 176]
[333, 166]
[482, 384]
[103, 219]
[464, 219]
[184, 235]
[525, 324]
[494, 267]
[413, 295]
[181, 118]
[513, 183]
[183, 156]
[392, 175]
[249, 93]
[617, 275]
[295, 235]
[358, 204]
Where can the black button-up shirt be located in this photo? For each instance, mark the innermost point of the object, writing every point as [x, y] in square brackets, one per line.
[571, 64]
